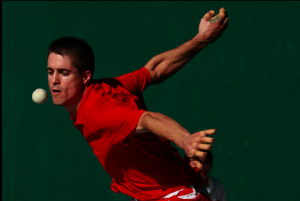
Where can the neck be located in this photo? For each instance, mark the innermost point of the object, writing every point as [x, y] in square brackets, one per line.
[72, 109]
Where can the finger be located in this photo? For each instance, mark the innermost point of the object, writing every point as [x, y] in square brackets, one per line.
[207, 132]
[222, 10]
[223, 14]
[225, 23]
[200, 145]
[203, 133]
[203, 146]
[197, 164]
[203, 139]
[209, 14]
[210, 131]
[191, 153]
[200, 154]
[223, 26]
[217, 16]
[220, 17]
[225, 20]
[206, 140]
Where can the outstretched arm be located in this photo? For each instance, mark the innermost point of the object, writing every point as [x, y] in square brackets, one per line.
[166, 64]
[165, 127]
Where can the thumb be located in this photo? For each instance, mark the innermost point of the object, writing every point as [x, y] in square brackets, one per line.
[197, 164]
[208, 15]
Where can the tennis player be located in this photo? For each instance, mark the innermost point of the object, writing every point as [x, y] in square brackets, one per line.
[134, 144]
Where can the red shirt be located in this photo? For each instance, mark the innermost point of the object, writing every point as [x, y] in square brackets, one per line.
[143, 166]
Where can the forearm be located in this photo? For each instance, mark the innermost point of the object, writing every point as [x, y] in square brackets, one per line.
[173, 60]
[165, 127]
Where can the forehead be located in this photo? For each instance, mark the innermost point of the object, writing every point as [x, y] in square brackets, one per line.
[59, 61]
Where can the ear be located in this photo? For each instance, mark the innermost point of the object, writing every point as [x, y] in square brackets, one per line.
[87, 75]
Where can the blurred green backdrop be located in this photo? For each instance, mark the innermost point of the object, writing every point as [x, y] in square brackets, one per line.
[246, 85]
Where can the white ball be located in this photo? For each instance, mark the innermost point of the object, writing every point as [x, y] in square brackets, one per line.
[39, 96]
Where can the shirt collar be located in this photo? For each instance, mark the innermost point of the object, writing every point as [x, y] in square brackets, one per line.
[79, 118]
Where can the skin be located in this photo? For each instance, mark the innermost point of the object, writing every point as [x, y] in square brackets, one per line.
[168, 63]
[167, 128]
[63, 76]
[73, 85]
[193, 144]
[205, 167]
[211, 28]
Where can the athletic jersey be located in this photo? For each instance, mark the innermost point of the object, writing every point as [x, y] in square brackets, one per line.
[143, 166]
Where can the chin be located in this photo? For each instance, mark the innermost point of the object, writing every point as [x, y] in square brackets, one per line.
[58, 103]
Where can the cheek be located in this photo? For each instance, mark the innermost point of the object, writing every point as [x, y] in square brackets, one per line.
[72, 90]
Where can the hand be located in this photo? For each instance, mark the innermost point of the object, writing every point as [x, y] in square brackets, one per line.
[210, 29]
[193, 144]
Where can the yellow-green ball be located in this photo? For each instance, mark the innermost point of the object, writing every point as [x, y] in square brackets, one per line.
[39, 96]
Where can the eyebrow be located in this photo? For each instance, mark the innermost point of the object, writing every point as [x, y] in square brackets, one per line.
[59, 69]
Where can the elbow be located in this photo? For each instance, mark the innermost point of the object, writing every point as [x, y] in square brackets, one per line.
[163, 72]
[157, 75]
[143, 124]
[147, 118]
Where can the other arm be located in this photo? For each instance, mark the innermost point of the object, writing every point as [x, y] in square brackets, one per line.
[165, 127]
[166, 64]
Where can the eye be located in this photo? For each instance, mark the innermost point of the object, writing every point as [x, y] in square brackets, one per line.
[65, 74]
[50, 72]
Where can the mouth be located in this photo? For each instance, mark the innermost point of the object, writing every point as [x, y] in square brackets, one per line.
[55, 91]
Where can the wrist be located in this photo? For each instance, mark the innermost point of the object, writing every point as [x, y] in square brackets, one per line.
[182, 140]
[200, 38]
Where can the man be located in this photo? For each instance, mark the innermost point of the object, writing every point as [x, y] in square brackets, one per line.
[133, 144]
[214, 187]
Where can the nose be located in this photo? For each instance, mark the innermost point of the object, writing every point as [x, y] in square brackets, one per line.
[55, 78]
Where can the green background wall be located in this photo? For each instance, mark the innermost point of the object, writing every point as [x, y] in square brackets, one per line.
[246, 85]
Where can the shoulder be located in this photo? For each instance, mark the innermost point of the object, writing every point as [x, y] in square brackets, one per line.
[113, 82]
[140, 79]
[99, 105]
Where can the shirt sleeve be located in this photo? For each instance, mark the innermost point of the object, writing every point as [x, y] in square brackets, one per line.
[125, 124]
[114, 120]
[137, 81]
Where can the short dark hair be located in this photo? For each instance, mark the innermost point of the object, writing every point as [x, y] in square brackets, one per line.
[209, 157]
[78, 50]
